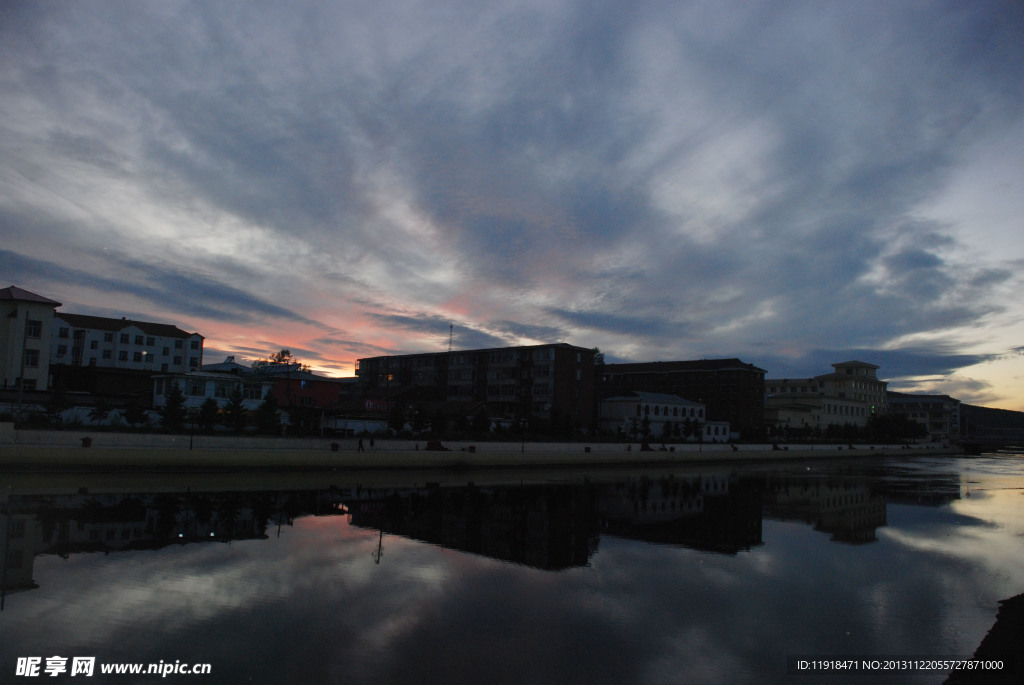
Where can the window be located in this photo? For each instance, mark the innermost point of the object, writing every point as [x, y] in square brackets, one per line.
[136, 356]
[107, 354]
[94, 344]
[34, 329]
[138, 340]
[150, 341]
[193, 362]
[122, 356]
[177, 361]
[28, 383]
[32, 358]
[62, 350]
[108, 337]
[166, 351]
[196, 388]
[195, 344]
[63, 332]
[159, 390]
[124, 338]
[177, 344]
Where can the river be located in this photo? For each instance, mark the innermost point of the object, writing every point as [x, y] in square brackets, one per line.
[674, 575]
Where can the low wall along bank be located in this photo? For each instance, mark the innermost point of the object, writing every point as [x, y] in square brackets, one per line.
[71, 449]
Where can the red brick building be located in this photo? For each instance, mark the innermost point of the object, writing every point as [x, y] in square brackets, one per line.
[553, 381]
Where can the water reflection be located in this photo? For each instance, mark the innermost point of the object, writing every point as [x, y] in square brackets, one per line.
[671, 576]
[550, 526]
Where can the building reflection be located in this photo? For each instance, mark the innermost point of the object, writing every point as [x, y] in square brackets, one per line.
[63, 524]
[549, 526]
[848, 510]
[715, 513]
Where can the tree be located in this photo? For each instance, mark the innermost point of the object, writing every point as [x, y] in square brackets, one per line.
[481, 422]
[282, 359]
[57, 405]
[396, 417]
[894, 428]
[173, 416]
[267, 419]
[598, 357]
[100, 412]
[234, 411]
[439, 424]
[208, 414]
[134, 413]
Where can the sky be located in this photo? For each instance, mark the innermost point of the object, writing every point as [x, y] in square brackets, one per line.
[792, 183]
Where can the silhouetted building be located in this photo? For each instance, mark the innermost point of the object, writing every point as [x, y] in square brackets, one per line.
[851, 394]
[731, 390]
[939, 414]
[553, 381]
[549, 527]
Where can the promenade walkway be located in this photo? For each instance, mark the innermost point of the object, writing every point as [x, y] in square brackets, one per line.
[67, 449]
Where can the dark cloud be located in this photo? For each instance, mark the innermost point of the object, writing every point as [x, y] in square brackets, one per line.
[894, 363]
[618, 323]
[166, 287]
[680, 178]
[462, 337]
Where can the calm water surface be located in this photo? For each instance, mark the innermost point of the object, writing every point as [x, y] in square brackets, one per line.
[670, 576]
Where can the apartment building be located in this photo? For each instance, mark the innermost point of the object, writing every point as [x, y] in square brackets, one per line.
[26, 323]
[545, 381]
[939, 414]
[80, 340]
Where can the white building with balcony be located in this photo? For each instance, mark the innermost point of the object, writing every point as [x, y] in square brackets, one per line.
[629, 414]
[198, 386]
[851, 394]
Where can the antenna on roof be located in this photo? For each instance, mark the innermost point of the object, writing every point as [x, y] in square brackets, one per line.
[451, 332]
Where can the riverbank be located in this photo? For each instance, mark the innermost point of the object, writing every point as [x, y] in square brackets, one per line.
[22, 449]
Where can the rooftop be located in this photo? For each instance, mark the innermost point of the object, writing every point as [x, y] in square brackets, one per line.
[692, 365]
[16, 294]
[102, 323]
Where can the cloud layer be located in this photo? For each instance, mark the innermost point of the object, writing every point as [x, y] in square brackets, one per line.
[669, 180]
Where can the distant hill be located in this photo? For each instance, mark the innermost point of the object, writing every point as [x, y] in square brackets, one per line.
[985, 422]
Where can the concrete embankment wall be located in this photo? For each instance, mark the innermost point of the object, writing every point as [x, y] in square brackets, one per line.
[64, 449]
